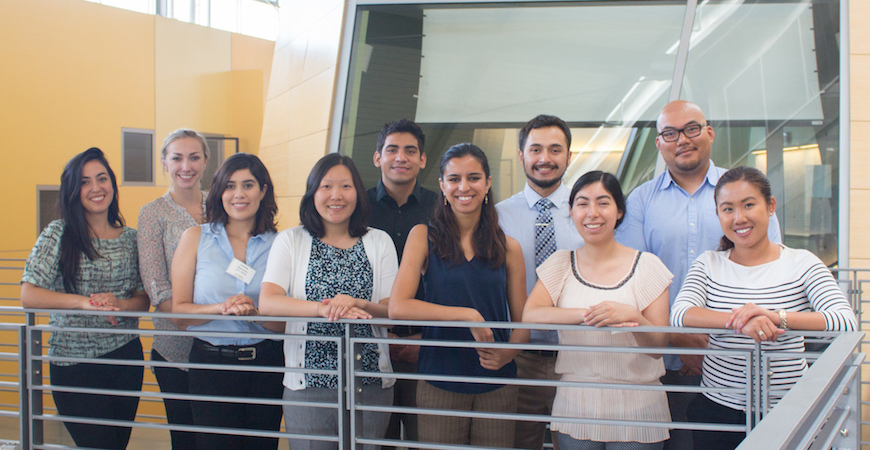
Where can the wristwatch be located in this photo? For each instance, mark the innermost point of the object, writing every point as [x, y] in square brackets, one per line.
[783, 319]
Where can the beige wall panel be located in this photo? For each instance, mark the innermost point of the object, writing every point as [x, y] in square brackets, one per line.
[298, 16]
[859, 263]
[275, 159]
[276, 127]
[859, 239]
[302, 154]
[288, 211]
[250, 53]
[246, 108]
[299, 51]
[859, 17]
[192, 63]
[860, 155]
[301, 91]
[73, 74]
[322, 53]
[860, 72]
[859, 45]
[288, 66]
[279, 81]
[310, 104]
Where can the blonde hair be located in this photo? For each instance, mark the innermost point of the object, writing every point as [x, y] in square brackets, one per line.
[182, 133]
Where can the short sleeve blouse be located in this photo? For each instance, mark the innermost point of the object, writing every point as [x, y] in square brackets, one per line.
[645, 281]
[115, 271]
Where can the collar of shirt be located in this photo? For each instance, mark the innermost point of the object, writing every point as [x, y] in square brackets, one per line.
[167, 197]
[558, 196]
[415, 194]
[711, 178]
[218, 233]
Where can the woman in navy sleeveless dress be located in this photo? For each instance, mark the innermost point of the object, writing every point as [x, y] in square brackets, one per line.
[471, 272]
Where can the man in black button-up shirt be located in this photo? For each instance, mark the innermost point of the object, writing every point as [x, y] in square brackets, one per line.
[398, 204]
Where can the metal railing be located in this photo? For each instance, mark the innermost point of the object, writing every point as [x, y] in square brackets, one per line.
[823, 410]
[817, 403]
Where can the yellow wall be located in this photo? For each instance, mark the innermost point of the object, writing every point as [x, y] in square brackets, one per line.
[299, 102]
[78, 72]
[74, 73]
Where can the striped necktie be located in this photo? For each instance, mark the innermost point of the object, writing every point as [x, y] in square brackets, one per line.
[545, 234]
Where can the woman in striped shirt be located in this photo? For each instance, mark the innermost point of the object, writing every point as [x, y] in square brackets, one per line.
[756, 289]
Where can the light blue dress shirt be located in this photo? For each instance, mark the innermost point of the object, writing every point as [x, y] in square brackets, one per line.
[665, 220]
[516, 216]
[212, 284]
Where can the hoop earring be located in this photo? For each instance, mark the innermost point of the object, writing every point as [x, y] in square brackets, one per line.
[486, 200]
[445, 201]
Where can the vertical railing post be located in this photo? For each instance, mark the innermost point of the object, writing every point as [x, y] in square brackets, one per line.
[34, 342]
[849, 434]
[756, 383]
[23, 390]
[765, 386]
[355, 385]
[345, 394]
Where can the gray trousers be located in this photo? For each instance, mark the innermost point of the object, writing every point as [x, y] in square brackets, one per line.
[324, 421]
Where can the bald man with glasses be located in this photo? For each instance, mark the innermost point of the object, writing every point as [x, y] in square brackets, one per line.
[674, 217]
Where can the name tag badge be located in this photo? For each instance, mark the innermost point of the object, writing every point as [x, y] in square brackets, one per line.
[241, 271]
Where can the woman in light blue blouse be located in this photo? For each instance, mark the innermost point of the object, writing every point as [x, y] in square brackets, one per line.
[239, 230]
[87, 260]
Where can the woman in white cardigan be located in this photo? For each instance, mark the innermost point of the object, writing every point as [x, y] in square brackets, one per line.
[333, 266]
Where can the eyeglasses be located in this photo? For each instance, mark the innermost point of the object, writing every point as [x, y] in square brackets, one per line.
[673, 134]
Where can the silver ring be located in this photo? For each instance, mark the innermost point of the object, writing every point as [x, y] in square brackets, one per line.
[760, 333]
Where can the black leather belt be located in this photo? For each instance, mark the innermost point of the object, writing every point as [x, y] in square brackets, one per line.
[549, 353]
[237, 352]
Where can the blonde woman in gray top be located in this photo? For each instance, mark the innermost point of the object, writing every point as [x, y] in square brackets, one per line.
[161, 224]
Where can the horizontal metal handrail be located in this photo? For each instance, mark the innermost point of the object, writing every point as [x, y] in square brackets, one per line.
[812, 397]
[352, 341]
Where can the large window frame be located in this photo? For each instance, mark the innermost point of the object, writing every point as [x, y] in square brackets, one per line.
[679, 72]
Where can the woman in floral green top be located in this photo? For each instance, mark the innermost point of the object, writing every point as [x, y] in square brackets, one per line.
[88, 260]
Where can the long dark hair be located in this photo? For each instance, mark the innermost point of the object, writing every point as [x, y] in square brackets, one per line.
[76, 238]
[750, 175]
[214, 205]
[308, 215]
[490, 244]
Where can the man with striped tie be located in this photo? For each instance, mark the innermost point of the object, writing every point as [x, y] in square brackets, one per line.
[539, 218]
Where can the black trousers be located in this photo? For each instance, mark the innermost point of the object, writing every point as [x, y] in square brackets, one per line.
[251, 385]
[113, 407]
[702, 409]
[178, 412]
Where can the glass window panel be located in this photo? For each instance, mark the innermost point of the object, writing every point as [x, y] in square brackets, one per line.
[46, 206]
[218, 148]
[767, 76]
[575, 62]
[138, 153]
[605, 69]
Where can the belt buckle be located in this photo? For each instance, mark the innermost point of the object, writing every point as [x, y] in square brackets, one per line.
[253, 351]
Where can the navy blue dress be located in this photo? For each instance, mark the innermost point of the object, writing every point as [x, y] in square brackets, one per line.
[472, 284]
